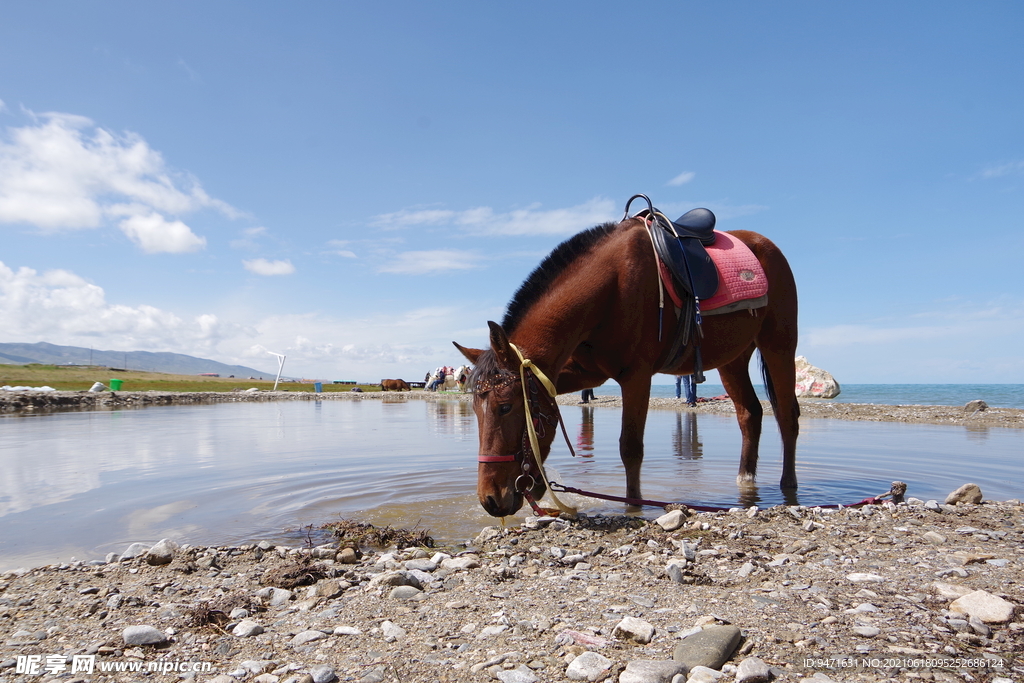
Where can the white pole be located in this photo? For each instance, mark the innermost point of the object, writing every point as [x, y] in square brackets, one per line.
[280, 366]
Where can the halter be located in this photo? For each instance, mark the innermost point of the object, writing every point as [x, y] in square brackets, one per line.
[528, 372]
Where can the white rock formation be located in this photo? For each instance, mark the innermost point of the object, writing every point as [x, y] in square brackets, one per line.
[812, 382]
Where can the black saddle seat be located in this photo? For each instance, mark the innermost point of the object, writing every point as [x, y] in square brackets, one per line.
[699, 223]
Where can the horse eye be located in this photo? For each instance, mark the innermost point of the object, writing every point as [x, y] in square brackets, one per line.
[504, 409]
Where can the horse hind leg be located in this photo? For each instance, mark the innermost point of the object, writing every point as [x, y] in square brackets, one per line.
[736, 379]
[779, 367]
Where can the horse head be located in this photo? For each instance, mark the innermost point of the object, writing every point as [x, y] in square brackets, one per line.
[507, 465]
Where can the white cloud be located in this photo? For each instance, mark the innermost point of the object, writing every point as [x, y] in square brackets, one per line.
[682, 179]
[1001, 170]
[262, 266]
[63, 308]
[62, 172]
[432, 261]
[529, 221]
[155, 234]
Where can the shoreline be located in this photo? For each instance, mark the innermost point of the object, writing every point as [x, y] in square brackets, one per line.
[35, 402]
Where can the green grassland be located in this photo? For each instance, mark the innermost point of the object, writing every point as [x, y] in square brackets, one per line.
[82, 377]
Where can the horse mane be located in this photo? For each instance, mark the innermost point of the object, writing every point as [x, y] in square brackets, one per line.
[540, 280]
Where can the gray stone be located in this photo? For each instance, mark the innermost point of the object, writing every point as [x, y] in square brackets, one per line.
[465, 562]
[323, 674]
[222, 678]
[651, 671]
[304, 637]
[266, 678]
[423, 564]
[588, 667]
[753, 670]
[712, 647]
[701, 674]
[634, 629]
[404, 592]
[933, 537]
[246, 629]
[279, 597]
[521, 674]
[968, 493]
[989, 608]
[134, 550]
[488, 533]
[346, 631]
[975, 406]
[670, 521]
[390, 630]
[143, 635]
[162, 553]
[866, 631]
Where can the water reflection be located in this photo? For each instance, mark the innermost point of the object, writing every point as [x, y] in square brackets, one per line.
[685, 442]
[91, 482]
[452, 417]
[585, 440]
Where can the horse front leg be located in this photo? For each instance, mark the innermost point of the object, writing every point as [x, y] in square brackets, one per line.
[736, 380]
[636, 396]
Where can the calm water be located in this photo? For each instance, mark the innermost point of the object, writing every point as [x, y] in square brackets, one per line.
[86, 483]
[996, 395]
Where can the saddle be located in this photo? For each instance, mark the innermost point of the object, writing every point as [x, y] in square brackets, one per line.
[681, 247]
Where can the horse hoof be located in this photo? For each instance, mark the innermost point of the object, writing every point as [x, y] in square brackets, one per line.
[746, 480]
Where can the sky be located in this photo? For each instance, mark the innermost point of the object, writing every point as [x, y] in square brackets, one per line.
[356, 185]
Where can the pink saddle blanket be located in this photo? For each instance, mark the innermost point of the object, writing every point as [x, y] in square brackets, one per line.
[741, 279]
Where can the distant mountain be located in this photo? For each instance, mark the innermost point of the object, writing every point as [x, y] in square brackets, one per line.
[174, 363]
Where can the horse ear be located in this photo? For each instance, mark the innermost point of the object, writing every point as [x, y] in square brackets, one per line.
[501, 346]
[470, 354]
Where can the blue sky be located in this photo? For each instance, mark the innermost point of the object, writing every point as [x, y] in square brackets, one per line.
[357, 185]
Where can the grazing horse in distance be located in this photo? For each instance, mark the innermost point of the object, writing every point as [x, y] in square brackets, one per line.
[590, 312]
[394, 385]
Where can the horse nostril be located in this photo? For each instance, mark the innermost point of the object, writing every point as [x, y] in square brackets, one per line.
[491, 506]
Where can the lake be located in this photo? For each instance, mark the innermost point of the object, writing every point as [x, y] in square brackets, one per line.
[82, 484]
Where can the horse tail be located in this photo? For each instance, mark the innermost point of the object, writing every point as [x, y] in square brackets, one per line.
[769, 386]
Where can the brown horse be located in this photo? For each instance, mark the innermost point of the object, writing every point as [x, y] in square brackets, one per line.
[590, 313]
[394, 385]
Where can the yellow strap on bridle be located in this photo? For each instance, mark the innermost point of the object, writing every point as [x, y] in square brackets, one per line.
[525, 363]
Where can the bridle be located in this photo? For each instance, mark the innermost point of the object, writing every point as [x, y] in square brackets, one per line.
[529, 449]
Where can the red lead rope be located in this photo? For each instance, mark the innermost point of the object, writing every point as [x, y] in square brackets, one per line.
[897, 491]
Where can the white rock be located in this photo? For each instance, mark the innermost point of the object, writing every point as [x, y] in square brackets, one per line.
[143, 635]
[670, 521]
[521, 674]
[391, 630]
[162, 552]
[866, 631]
[489, 631]
[812, 382]
[989, 608]
[968, 493]
[651, 671]
[134, 550]
[465, 562]
[702, 674]
[632, 628]
[588, 667]
[858, 577]
[304, 637]
[246, 628]
[753, 670]
[347, 631]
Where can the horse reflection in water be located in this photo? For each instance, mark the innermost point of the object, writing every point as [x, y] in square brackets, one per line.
[685, 442]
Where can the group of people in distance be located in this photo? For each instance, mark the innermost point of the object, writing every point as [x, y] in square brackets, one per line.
[687, 380]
